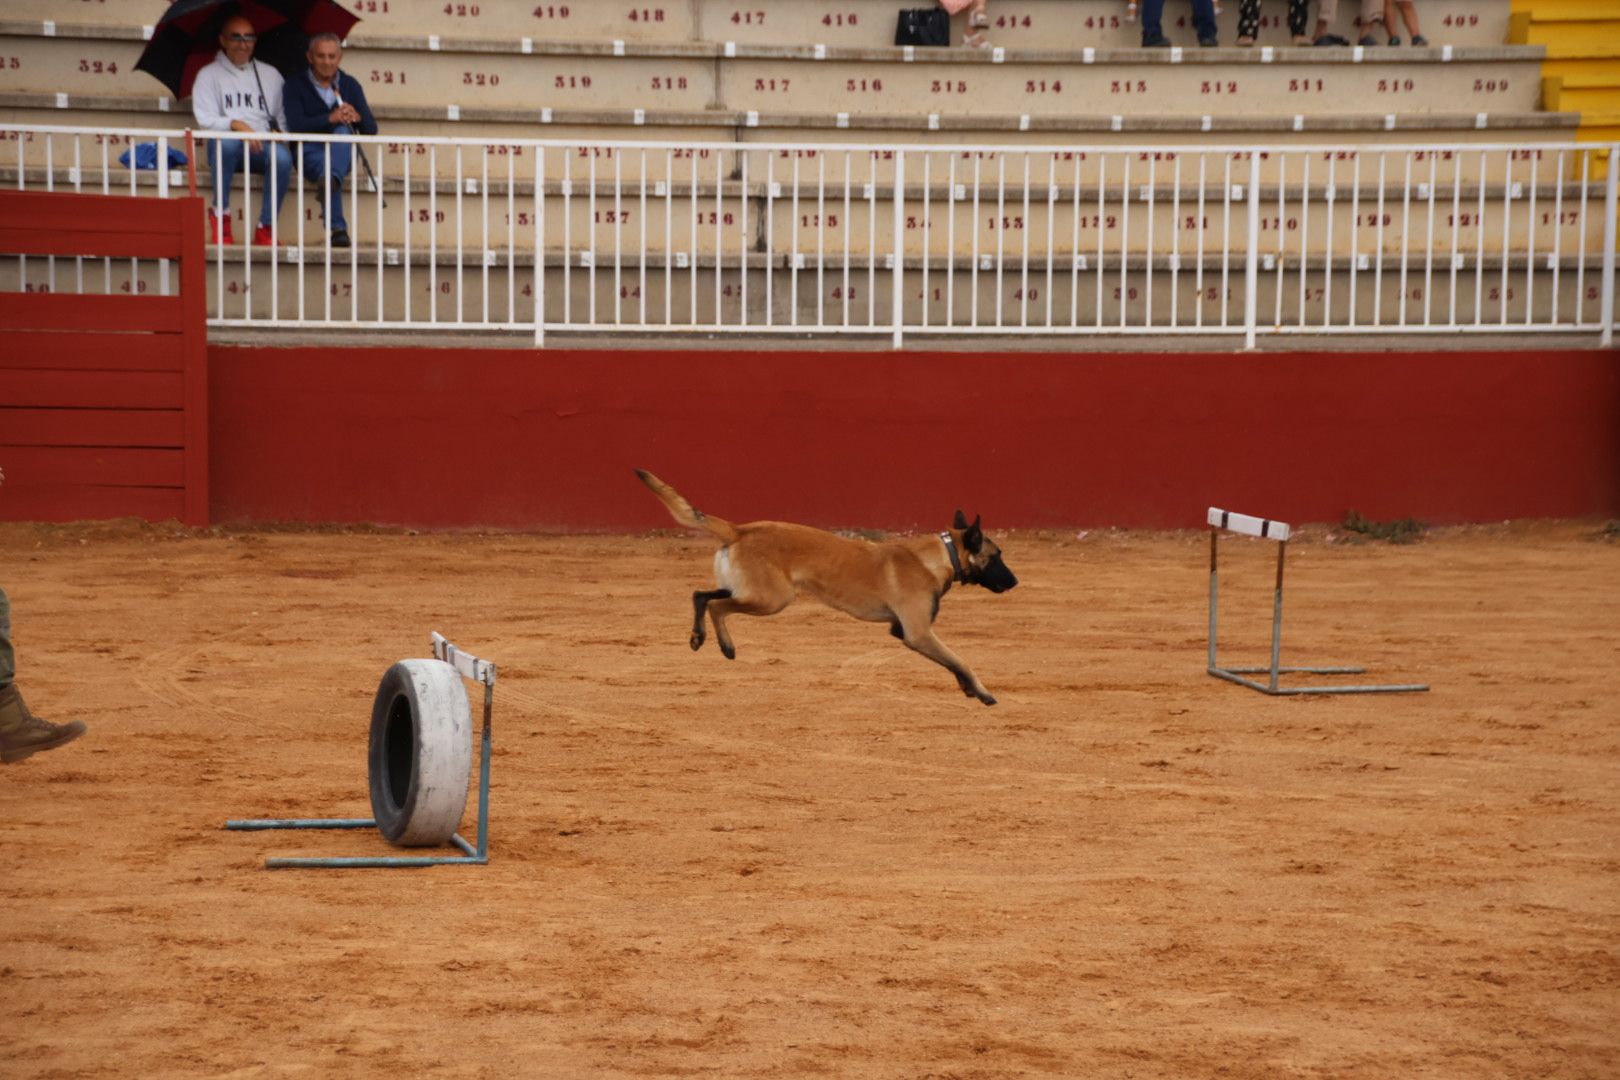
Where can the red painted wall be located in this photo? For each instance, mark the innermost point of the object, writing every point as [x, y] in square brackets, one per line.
[103, 399]
[514, 438]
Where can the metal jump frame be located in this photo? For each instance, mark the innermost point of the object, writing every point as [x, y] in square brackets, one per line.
[470, 667]
[1279, 531]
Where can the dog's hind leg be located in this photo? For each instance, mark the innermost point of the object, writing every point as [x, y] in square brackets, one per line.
[766, 595]
[923, 641]
[700, 601]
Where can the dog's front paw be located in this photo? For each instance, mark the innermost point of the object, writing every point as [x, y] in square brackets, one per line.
[987, 699]
[697, 640]
[728, 650]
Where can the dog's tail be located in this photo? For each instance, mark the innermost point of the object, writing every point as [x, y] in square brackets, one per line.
[683, 512]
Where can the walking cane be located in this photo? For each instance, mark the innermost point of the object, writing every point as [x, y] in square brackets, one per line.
[371, 177]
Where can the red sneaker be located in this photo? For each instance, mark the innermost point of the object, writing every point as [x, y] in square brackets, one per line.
[219, 229]
[262, 236]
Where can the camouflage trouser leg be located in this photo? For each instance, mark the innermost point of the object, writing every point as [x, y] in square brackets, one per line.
[8, 659]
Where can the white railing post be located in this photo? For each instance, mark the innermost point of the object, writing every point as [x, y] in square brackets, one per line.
[1251, 271]
[162, 193]
[537, 222]
[239, 303]
[1610, 200]
[897, 318]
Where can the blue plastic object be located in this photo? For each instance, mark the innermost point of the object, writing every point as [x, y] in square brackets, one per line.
[146, 157]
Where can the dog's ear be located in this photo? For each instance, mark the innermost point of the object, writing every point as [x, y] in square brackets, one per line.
[960, 522]
[973, 539]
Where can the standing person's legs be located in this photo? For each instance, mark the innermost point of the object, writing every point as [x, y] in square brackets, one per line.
[1299, 21]
[1248, 21]
[22, 734]
[978, 21]
[1372, 14]
[1326, 12]
[1204, 22]
[1408, 15]
[1153, 23]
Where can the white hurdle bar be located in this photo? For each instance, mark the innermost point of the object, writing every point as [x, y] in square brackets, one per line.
[1267, 529]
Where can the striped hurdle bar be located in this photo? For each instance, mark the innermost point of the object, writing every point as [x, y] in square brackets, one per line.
[1279, 531]
[467, 666]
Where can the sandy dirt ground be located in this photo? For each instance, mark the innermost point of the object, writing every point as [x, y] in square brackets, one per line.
[821, 859]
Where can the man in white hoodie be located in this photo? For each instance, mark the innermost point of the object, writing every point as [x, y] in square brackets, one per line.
[238, 93]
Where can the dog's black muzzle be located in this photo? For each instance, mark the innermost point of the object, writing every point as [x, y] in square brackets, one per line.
[996, 577]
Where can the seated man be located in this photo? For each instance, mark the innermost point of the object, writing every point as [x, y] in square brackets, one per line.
[326, 101]
[238, 93]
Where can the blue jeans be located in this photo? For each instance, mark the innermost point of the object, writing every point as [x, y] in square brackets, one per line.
[1203, 19]
[225, 159]
[315, 166]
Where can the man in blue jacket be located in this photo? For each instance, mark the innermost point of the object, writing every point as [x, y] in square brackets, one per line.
[325, 101]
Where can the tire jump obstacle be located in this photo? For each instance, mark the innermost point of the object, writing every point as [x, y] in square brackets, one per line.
[419, 755]
[1279, 531]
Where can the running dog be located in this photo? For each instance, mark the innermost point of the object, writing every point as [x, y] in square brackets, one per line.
[762, 565]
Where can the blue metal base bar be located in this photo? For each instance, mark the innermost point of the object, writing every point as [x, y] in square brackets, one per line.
[471, 858]
[1236, 675]
[471, 854]
[257, 824]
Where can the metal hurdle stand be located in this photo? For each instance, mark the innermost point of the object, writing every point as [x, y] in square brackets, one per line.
[1279, 531]
[470, 667]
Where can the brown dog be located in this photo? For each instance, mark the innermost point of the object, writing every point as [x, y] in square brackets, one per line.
[761, 566]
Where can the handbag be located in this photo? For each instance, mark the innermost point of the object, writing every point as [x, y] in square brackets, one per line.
[923, 26]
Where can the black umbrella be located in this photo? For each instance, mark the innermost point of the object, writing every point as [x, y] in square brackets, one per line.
[186, 39]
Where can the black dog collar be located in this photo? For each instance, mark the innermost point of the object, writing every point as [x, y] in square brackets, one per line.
[956, 562]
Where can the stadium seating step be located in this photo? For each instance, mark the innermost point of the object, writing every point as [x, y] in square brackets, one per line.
[854, 82]
[1596, 94]
[707, 294]
[1015, 24]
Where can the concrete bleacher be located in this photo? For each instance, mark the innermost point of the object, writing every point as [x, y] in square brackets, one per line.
[788, 66]
[725, 216]
[1064, 83]
[859, 24]
[1379, 292]
[1582, 71]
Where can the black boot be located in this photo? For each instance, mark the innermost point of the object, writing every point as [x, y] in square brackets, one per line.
[23, 734]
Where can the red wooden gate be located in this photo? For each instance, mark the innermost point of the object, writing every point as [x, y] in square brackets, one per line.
[103, 398]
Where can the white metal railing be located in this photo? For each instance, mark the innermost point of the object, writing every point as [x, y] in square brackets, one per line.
[541, 236]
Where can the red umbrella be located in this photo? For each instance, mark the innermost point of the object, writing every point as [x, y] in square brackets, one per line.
[186, 39]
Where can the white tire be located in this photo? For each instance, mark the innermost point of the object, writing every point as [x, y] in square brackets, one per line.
[420, 753]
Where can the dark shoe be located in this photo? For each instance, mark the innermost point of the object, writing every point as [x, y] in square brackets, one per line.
[1209, 42]
[1419, 40]
[22, 734]
[1327, 40]
[340, 238]
[1368, 40]
[1394, 40]
[1158, 41]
